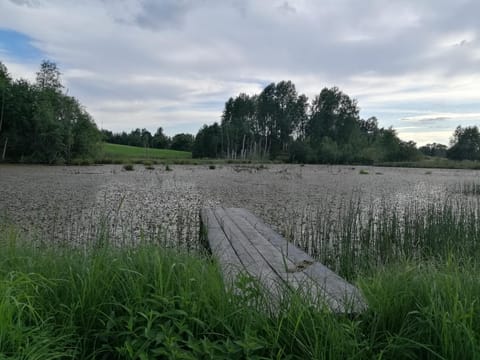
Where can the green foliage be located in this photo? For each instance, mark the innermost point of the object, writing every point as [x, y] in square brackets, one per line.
[182, 142]
[128, 167]
[301, 152]
[139, 138]
[160, 140]
[208, 142]
[434, 149]
[327, 151]
[333, 115]
[279, 124]
[39, 123]
[465, 144]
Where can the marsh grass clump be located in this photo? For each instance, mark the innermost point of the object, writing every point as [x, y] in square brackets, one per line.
[81, 162]
[148, 165]
[212, 167]
[364, 172]
[128, 167]
[357, 239]
[168, 168]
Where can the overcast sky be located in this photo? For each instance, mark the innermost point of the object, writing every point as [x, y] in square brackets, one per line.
[414, 65]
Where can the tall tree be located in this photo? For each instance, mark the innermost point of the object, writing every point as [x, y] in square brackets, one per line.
[182, 142]
[333, 115]
[48, 77]
[208, 142]
[40, 123]
[465, 144]
[4, 83]
[160, 140]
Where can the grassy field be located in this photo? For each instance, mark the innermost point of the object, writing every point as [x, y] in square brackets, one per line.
[125, 154]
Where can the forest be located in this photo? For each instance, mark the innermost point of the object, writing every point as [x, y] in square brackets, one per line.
[40, 123]
[280, 124]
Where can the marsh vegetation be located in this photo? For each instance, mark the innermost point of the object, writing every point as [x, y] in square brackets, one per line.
[96, 262]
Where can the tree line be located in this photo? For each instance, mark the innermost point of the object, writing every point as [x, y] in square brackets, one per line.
[143, 138]
[39, 122]
[281, 124]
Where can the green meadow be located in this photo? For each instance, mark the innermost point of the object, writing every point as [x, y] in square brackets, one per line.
[124, 154]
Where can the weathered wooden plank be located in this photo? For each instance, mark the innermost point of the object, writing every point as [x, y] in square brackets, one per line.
[253, 263]
[347, 298]
[273, 256]
[339, 294]
[220, 246]
[238, 237]
[298, 257]
[286, 270]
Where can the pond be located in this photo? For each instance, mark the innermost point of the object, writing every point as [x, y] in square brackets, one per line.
[77, 204]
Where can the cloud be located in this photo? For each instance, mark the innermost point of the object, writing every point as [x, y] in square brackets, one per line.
[422, 137]
[146, 63]
[29, 3]
[287, 8]
[439, 117]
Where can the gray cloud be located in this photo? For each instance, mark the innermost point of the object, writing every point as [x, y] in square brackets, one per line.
[287, 8]
[29, 3]
[116, 55]
[159, 14]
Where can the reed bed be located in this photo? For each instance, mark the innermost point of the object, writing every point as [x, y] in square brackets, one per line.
[356, 239]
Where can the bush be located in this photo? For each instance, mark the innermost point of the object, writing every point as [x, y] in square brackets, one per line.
[128, 167]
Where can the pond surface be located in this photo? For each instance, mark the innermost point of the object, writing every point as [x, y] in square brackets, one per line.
[75, 204]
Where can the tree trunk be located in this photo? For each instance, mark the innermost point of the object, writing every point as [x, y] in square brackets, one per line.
[266, 146]
[1, 110]
[243, 148]
[4, 149]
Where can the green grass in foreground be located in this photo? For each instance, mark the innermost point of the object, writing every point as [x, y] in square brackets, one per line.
[149, 302]
[125, 153]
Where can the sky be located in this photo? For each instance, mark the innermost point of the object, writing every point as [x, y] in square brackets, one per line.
[415, 65]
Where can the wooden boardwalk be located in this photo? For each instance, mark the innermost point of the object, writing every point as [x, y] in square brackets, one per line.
[242, 243]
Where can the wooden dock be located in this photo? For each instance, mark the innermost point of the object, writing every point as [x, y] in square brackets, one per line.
[242, 243]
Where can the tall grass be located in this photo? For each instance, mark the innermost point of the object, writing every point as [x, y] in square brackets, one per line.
[159, 296]
[148, 302]
[356, 239]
